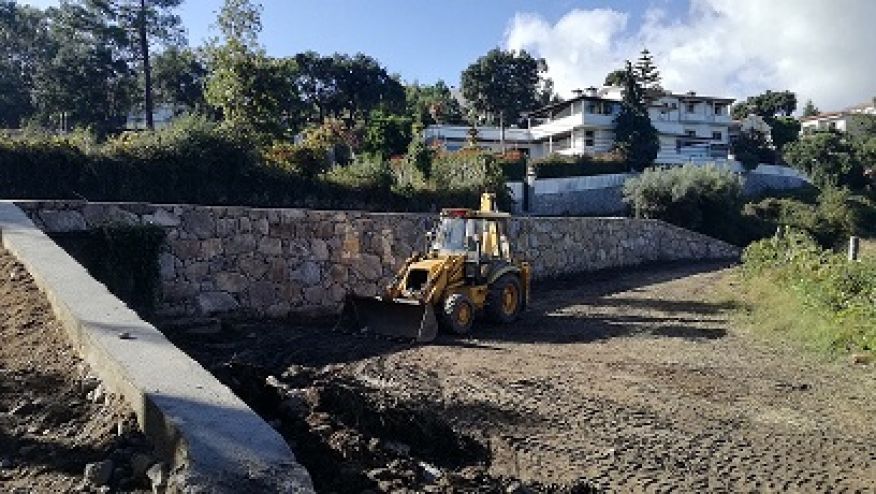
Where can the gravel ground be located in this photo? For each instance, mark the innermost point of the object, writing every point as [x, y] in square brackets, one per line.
[55, 419]
[630, 381]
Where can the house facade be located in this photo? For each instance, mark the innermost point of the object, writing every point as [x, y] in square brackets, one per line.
[843, 121]
[691, 128]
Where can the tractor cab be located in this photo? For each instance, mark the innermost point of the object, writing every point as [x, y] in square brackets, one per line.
[477, 235]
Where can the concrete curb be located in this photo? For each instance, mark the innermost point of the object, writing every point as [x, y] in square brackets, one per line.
[212, 440]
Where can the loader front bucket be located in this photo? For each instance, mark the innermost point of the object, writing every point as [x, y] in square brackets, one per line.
[399, 318]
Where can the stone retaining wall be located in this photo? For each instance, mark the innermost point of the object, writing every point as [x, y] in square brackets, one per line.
[273, 262]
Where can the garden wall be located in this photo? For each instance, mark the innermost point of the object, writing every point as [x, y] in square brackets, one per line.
[603, 194]
[273, 262]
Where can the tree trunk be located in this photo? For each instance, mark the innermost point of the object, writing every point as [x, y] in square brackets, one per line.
[147, 69]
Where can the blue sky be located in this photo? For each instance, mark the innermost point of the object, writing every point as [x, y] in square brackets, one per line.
[420, 39]
[820, 49]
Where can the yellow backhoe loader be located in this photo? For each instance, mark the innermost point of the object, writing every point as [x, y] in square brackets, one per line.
[466, 271]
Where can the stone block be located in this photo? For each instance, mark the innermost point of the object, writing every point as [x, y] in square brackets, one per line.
[270, 246]
[308, 273]
[210, 303]
[231, 282]
[163, 218]
[166, 266]
[62, 221]
[199, 222]
[240, 244]
[262, 294]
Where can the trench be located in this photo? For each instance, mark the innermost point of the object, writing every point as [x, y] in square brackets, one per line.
[351, 437]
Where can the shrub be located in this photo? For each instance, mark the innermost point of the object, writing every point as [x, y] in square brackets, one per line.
[835, 299]
[559, 166]
[706, 199]
[305, 159]
[830, 219]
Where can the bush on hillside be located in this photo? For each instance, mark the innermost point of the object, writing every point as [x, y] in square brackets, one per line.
[706, 199]
[830, 219]
[835, 298]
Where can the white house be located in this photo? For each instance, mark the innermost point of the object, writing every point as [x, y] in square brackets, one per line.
[842, 121]
[692, 128]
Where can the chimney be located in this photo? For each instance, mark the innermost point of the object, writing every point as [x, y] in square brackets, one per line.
[590, 91]
[691, 93]
[577, 93]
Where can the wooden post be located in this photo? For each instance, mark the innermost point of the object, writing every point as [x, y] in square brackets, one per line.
[854, 248]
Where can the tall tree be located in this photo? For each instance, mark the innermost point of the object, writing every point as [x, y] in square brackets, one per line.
[828, 158]
[769, 104]
[253, 92]
[615, 78]
[646, 72]
[809, 109]
[84, 81]
[635, 138]
[501, 85]
[432, 104]
[24, 46]
[140, 22]
[179, 79]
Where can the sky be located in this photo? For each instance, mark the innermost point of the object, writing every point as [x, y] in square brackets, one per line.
[820, 49]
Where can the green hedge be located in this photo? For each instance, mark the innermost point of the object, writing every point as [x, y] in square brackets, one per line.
[197, 161]
[557, 166]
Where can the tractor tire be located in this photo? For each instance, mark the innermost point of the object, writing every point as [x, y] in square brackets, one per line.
[504, 299]
[458, 314]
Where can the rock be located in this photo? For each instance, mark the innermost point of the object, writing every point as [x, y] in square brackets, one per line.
[398, 448]
[97, 395]
[140, 463]
[26, 408]
[166, 266]
[157, 475]
[161, 217]
[209, 303]
[516, 487]
[62, 221]
[308, 273]
[270, 246]
[98, 474]
[231, 282]
[861, 358]
[198, 222]
[295, 404]
[431, 473]
[262, 294]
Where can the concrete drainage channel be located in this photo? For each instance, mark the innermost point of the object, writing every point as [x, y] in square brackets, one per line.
[212, 441]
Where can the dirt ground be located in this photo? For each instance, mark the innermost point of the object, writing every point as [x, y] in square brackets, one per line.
[631, 381]
[55, 418]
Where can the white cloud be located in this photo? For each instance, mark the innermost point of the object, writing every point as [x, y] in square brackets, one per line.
[822, 50]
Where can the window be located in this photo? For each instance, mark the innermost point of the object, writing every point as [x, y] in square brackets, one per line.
[606, 108]
[691, 107]
[719, 109]
[690, 133]
[716, 136]
[591, 108]
[589, 138]
[831, 125]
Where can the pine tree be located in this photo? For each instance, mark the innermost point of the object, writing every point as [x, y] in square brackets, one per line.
[810, 110]
[646, 71]
[635, 138]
